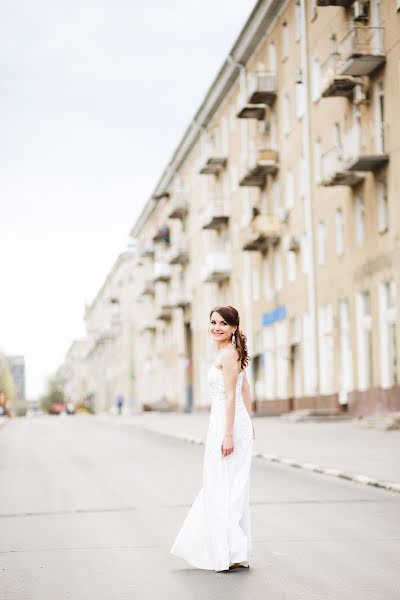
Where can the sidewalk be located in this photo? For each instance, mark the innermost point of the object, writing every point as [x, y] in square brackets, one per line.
[339, 448]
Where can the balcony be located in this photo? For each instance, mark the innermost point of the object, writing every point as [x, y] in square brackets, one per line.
[217, 267]
[162, 271]
[250, 111]
[363, 150]
[148, 288]
[263, 231]
[162, 235]
[332, 83]
[264, 162]
[334, 170]
[147, 248]
[344, 3]
[180, 298]
[215, 215]
[178, 207]
[163, 313]
[147, 325]
[213, 166]
[178, 255]
[263, 88]
[362, 51]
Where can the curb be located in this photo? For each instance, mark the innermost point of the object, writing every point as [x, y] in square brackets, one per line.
[291, 462]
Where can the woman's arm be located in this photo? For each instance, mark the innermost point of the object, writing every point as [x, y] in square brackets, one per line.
[229, 369]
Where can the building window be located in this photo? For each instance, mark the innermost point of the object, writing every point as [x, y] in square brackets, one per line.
[285, 41]
[278, 270]
[318, 161]
[364, 340]
[282, 358]
[339, 231]
[304, 253]
[316, 80]
[321, 240]
[383, 207]
[326, 354]
[291, 265]
[300, 99]
[380, 117]
[346, 356]
[286, 124]
[267, 287]
[388, 338]
[360, 220]
[289, 188]
[256, 283]
[272, 57]
[297, 17]
[276, 196]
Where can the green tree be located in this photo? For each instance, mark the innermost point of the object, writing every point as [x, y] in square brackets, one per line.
[8, 389]
[54, 393]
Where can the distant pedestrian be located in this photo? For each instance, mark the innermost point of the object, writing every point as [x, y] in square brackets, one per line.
[216, 533]
[119, 401]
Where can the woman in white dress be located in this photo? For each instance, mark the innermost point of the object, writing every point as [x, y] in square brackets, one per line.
[216, 533]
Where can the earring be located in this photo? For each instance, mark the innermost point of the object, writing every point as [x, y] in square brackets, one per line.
[233, 339]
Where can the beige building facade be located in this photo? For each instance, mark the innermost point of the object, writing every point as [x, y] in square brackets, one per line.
[281, 199]
[110, 335]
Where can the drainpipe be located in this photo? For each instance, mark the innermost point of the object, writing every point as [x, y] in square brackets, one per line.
[308, 209]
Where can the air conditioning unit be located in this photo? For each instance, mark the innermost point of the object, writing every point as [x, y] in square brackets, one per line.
[360, 11]
[359, 94]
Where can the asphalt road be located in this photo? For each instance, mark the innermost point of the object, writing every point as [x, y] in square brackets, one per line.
[89, 510]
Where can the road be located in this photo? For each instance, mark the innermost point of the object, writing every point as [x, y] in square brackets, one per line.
[89, 510]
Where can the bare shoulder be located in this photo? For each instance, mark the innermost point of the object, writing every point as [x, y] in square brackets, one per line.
[229, 357]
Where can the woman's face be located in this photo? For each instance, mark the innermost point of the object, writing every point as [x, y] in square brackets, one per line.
[219, 328]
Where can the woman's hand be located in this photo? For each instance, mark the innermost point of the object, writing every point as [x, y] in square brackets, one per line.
[227, 445]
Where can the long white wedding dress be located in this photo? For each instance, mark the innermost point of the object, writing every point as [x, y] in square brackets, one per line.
[217, 529]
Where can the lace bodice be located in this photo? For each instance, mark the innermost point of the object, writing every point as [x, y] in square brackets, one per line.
[217, 398]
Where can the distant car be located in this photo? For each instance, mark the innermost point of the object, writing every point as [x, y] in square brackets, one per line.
[56, 408]
[70, 408]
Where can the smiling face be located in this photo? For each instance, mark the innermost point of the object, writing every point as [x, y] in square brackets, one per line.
[220, 330]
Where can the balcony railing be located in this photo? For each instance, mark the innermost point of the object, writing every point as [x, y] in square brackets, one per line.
[162, 271]
[332, 83]
[215, 214]
[364, 150]
[147, 325]
[180, 297]
[213, 165]
[263, 88]
[262, 231]
[334, 170]
[217, 267]
[148, 288]
[261, 163]
[344, 3]
[178, 207]
[362, 51]
[147, 248]
[178, 254]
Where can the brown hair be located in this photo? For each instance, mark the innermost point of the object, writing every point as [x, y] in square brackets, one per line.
[231, 316]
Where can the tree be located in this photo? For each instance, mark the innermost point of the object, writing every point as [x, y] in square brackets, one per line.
[8, 390]
[55, 392]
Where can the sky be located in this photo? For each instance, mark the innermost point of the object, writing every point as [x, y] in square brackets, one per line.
[94, 97]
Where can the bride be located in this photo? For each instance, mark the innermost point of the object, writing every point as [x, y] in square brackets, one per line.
[216, 533]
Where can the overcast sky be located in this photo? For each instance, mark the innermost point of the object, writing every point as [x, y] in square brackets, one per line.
[94, 97]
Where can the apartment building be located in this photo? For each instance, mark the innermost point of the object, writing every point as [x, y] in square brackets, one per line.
[280, 199]
[74, 373]
[110, 335]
